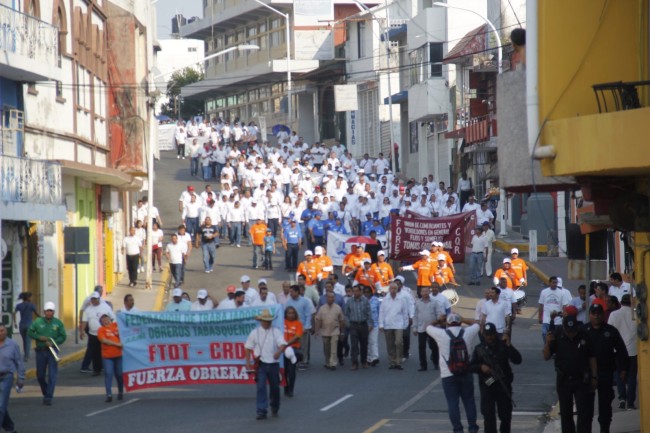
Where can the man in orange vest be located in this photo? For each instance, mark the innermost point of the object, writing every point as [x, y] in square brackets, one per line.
[425, 267]
[384, 271]
[519, 266]
[444, 275]
[367, 276]
[448, 260]
[257, 232]
[309, 269]
[325, 264]
[352, 261]
[508, 273]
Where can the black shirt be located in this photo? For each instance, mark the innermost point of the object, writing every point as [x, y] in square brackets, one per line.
[498, 357]
[608, 347]
[208, 231]
[571, 354]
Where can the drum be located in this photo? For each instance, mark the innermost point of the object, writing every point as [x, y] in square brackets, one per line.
[451, 295]
[520, 298]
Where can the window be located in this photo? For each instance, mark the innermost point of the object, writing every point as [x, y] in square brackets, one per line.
[59, 89]
[361, 39]
[263, 42]
[426, 62]
[60, 22]
[277, 38]
[435, 59]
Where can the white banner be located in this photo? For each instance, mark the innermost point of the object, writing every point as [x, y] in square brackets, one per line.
[337, 248]
[166, 137]
[346, 97]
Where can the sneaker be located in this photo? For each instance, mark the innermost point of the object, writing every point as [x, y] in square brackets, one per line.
[239, 246]
[120, 396]
[621, 404]
[85, 371]
[178, 157]
[630, 407]
[183, 157]
[108, 399]
[260, 416]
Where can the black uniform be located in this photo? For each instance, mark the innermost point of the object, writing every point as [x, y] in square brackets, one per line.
[496, 388]
[573, 380]
[609, 349]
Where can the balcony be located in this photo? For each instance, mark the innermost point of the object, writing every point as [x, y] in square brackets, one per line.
[30, 48]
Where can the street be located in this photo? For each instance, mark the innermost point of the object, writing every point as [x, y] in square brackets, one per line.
[370, 400]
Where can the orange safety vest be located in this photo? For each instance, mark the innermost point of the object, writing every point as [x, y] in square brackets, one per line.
[511, 277]
[323, 261]
[426, 268]
[367, 278]
[447, 276]
[384, 271]
[520, 267]
[310, 270]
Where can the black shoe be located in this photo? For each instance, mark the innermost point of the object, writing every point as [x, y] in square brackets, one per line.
[375, 362]
[621, 404]
[274, 413]
[47, 402]
[288, 394]
[436, 367]
[108, 399]
[392, 367]
[260, 416]
[422, 369]
[120, 397]
[341, 363]
[97, 373]
[398, 367]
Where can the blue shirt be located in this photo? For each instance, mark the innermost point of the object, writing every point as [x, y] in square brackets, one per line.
[268, 243]
[304, 307]
[317, 227]
[375, 303]
[366, 226]
[378, 229]
[26, 310]
[306, 215]
[338, 229]
[292, 235]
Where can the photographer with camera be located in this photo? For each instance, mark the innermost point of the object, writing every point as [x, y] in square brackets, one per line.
[491, 361]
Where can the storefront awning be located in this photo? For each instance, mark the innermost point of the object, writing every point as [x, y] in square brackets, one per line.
[101, 175]
[402, 96]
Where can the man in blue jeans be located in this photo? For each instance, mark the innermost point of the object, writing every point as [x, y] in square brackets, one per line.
[10, 362]
[457, 386]
[479, 252]
[209, 242]
[264, 347]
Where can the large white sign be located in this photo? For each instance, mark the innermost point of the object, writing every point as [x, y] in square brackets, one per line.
[346, 97]
[166, 137]
[337, 248]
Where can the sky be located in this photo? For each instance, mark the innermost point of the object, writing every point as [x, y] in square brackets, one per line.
[165, 10]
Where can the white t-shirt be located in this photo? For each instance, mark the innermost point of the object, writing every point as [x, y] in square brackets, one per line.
[132, 245]
[197, 306]
[553, 300]
[265, 342]
[496, 313]
[623, 321]
[93, 313]
[176, 252]
[442, 339]
[156, 237]
[625, 289]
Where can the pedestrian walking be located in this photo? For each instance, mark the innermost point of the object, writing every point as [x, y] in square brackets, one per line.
[109, 337]
[427, 312]
[479, 252]
[329, 323]
[393, 320]
[292, 335]
[12, 365]
[269, 249]
[132, 247]
[358, 319]
[47, 331]
[176, 253]
[623, 320]
[209, 244]
[91, 321]
[257, 233]
[27, 311]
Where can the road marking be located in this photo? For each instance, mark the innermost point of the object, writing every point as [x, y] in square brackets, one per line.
[418, 396]
[339, 401]
[529, 413]
[379, 424]
[112, 407]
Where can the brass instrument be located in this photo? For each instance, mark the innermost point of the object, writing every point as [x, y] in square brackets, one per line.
[55, 350]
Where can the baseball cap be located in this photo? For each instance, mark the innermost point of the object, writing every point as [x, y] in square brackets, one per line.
[559, 282]
[202, 294]
[571, 322]
[239, 292]
[596, 308]
[95, 295]
[454, 318]
[231, 289]
[364, 261]
[442, 257]
[308, 253]
[514, 251]
[570, 310]
[425, 253]
[489, 329]
[269, 231]
[177, 292]
[361, 170]
[190, 188]
[507, 260]
[245, 279]
[261, 281]
[399, 278]
[49, 306]
[318, 250]
[381, 253]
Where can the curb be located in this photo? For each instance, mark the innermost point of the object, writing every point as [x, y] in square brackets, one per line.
[78, 355]
[505, 247]
[522, 247]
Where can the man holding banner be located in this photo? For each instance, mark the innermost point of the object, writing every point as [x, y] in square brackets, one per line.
[264, 346]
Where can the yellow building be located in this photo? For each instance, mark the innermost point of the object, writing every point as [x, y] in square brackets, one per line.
[587, 73]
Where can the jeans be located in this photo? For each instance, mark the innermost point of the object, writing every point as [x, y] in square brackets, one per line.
[206, 172]
[27, 340]
[180, 150]
[359, 342]
[456, 388]
[235, 233]
[423, 340]
[113, 367]
[194, 166]
[627, 389]
[286, 189]
[273, 224]
[475, 267]
[394, 345]
[270, 373]
[176, 269]
[268, 263]
[258, 255]
[45, 361]
[6, 383]
[192, 226]
[216, 169]
[209, 255]
[292, 256]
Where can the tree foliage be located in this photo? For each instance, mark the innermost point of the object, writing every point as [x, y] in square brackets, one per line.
[188, 108]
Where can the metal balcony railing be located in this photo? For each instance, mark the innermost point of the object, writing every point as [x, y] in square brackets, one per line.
[28, 36]
[30, 181]
[618, 96]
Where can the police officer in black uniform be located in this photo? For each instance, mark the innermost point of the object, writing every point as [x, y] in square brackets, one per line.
[491, 360]
[609, 349]
[576, 373]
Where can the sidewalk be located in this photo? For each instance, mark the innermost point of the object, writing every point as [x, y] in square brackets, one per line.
[145, 300]
[623, 421]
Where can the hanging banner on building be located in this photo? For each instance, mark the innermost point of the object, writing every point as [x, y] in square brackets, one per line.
[185, 348]
[337, 247]
[346, 97]
[411, 234]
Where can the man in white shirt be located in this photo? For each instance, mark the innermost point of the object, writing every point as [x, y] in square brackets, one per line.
[490, 239]
[497, 312]
[203, 301]
[91, 318]
[132, 246]
[380, 164]
[190, 217]
[484, 214]
[457, 386]
[185, 198]
[264, 346]
[251, 294]
[552, 298]
[176, 252]
[195, 154]
[393, 320]
[618, 287]
[265, 297]
[623, 320]
[471, 205]
[479, 251]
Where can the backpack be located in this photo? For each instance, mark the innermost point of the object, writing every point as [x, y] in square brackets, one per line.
[458, 361]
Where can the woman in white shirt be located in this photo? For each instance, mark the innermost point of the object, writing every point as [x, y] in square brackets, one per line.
[156, 246]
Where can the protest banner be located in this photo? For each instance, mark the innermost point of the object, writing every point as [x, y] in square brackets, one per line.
[337, 247]
[185, 348]
[410, 235]
[166, 136]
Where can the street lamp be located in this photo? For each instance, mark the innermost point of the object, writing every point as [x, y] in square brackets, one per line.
[384, 30]
[150, 174]
[502, 192]
[288, 37]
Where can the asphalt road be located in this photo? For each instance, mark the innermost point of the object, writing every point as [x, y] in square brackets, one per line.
[370, 400]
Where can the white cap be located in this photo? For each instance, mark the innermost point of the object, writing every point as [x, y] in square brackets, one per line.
[381, 253]
[307, 175]
[49, 306]
[308, 253]
[442, 257]
[364, 261]
[177, 292]
[400, 278]
[425, 253]
[261, 281]
[244, 278]
[95, 295]
[201, 294]
[361, 170]
[254, 201]
[514, 251]
[507, 260]
[319, 250]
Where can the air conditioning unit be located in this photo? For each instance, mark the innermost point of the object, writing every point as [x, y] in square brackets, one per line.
[110, 199]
